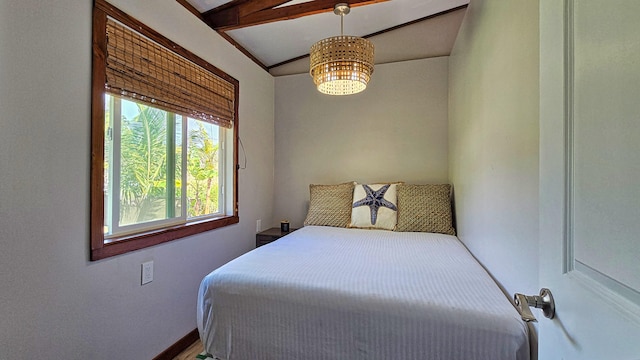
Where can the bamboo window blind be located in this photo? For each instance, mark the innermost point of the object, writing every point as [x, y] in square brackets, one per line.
[140, 69]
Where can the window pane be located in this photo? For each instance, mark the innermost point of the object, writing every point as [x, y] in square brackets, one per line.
[145, 182]
[108, 160]
[203, 182]
[143, 164]
[178, 167]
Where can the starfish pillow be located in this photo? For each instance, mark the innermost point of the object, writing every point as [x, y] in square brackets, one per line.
[374, 206]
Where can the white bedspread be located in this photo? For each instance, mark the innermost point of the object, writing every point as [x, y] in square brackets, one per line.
[333, 293]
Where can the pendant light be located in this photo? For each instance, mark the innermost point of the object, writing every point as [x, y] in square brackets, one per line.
[341, 65]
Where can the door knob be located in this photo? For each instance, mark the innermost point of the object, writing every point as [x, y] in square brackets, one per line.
[543, 301]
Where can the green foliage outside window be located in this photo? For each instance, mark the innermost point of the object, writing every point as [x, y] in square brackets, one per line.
[143, 169]
[202, 176]
[151, 165]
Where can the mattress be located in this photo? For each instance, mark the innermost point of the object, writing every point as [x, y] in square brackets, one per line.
[334, 293]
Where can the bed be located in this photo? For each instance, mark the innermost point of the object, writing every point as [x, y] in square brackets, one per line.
[341, 293]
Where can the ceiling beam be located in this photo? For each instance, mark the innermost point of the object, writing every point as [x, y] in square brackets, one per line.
[233, 10]
[243, 14]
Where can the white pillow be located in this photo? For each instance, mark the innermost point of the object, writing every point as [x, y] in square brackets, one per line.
[374, 206]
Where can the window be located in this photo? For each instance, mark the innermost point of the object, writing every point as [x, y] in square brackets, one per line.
[164, 139]
[145, 151]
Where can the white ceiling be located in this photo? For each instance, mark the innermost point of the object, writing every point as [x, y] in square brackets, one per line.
[281, 41]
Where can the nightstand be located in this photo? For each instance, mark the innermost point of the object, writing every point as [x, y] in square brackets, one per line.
[270, 235]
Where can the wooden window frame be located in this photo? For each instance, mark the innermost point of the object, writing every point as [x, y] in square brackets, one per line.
[124, 244]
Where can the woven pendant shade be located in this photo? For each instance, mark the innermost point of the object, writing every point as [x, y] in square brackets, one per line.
[341, 65]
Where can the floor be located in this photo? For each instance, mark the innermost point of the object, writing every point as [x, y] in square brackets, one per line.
[191, 352]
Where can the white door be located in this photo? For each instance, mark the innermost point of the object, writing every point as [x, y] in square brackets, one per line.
[590, 178]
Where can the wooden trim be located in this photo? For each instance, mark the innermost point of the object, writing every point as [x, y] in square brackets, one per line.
[231, 18]
[179, 346]
[378, 33]
[236, 152]
[98, 248]
[140, 241]
[98, 78]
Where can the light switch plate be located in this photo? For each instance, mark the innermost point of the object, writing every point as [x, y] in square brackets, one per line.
[147, 272]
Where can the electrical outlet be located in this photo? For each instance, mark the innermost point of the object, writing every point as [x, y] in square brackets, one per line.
[258, 225]
[147, 272]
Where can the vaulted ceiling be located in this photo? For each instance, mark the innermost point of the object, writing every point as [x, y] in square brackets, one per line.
[277, 34]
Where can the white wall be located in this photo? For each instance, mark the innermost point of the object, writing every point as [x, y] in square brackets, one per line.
[54, 303]
[395, 130]
[493, 138]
